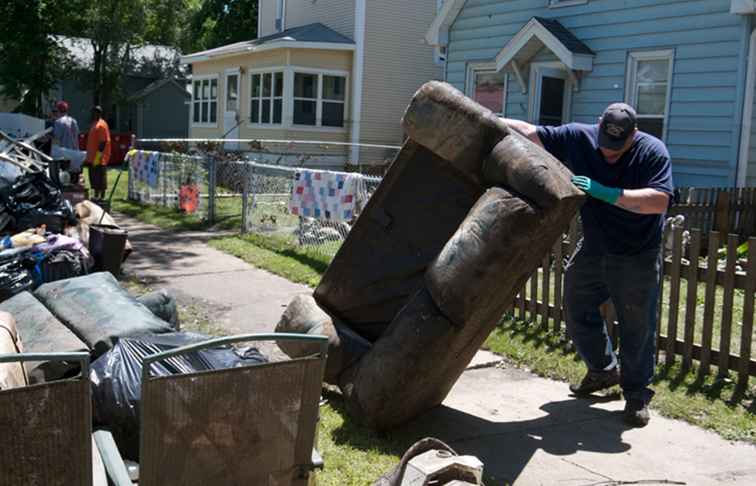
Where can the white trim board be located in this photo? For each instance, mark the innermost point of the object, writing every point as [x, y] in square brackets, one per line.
[743, 7]
[745, 137]
[438, 33]
[358, 74]
[282, 44]
[535, 30]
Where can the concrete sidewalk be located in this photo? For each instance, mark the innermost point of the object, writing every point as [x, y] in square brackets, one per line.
[527, 430]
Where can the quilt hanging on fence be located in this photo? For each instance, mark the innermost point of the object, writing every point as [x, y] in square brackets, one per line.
[144, 166]
[324, 195]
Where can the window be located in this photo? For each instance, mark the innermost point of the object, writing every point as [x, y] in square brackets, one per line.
[205, 101]
[488, 88]
[649, 81]
[266, 98]
[319, 99]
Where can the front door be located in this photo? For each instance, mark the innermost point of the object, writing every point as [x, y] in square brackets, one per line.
[551, 97]
[231, 110]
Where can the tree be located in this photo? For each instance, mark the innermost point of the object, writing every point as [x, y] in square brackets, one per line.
[219, 22]
[31, 61]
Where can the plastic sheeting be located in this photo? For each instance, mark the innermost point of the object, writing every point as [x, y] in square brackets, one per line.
[117, 378]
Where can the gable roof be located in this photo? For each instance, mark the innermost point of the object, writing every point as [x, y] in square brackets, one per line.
[313, 36]
[156, 85]
[438, 34]
[539, 33]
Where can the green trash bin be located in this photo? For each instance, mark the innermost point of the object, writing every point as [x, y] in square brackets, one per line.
[107, 244]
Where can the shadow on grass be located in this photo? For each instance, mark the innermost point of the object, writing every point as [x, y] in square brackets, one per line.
[540, 336]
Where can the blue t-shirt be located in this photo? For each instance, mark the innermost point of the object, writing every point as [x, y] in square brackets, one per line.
[610, 229]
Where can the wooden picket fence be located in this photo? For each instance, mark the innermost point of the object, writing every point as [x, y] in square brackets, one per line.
[682, 315]
[718, 209]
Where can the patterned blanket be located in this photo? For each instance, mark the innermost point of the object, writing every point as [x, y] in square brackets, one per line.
[325, 195]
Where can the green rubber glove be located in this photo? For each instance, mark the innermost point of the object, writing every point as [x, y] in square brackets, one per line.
[594, 189]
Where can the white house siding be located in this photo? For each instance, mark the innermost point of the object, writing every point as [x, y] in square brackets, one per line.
[397, 63]
[703, 127]
[336, 14]
[267, 13]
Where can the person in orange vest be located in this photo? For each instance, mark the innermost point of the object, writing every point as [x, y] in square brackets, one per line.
[98, 153]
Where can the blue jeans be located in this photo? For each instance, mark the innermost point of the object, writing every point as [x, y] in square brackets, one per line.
[632, 282]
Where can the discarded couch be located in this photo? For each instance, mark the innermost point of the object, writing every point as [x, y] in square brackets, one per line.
[462, 218]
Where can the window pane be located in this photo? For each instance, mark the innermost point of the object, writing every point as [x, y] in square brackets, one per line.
[265, 111]
[254, 111]
[334, 88]
[204, 118]
[305, 85]
[333, 114]
[196, 85]
[277, 111]
[552, 101]
[213, 112]
[652, 71]
[232, 93]
[489, 91]
[255, 86]
[654, 126]
[267, 77]
[305, 112]
[278, 85]
[213, 88]
[196, 113]
[652, 99]
[205, 89]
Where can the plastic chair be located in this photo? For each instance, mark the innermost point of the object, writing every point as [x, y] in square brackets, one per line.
[249, 425]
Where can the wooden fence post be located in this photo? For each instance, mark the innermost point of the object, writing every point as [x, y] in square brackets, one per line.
[709, 301]
[558, 273]
[746, 335]
[674, 294]
[691, 299]
[727, 303]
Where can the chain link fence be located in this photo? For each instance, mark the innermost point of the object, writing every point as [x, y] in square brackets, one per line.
[247, 185]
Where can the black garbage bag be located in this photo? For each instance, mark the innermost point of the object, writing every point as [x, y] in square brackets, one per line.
[60, 265]
[163, 304]
[33, 200]
[117, 378]
[15, 273]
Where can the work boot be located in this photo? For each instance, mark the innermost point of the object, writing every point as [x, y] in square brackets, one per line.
[595, 381]
[636, 413]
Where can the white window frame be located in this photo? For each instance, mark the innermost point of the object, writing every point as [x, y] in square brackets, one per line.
[631, 88]
[284, 96]
[209, 78]
[293, 70]
[566, 3]
[440, 51]
[473, 68]
[232, 72]
[553, 69]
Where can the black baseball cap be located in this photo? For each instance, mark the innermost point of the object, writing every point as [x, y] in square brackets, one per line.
[617, 124]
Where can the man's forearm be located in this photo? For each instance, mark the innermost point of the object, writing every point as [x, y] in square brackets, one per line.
[644, 201]
[525, 129]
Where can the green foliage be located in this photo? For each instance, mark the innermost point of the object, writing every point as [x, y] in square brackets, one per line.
[219, 22]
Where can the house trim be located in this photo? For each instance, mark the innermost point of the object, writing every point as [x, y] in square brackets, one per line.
[534, 29]
[566, 3]
[285, 44]
[438, 34]
[358, 73]
[259, 18]
[537, 71]
[248, 105]
[745, 136]
[743, 7]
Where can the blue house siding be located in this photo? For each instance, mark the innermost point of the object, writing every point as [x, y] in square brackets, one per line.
[703, 128]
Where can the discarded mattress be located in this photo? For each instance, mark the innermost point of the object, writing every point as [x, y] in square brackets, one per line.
[117, 378]
[464, 215]
[98, 310]
[41, 332]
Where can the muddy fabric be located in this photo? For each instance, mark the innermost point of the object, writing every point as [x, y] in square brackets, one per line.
[416, 209]
[98, 310]
[304, 316]
[437, 256]
[163, 304]
[41, 332]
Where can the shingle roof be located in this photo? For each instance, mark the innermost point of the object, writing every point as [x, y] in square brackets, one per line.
[307, 33]
[157, 85]
[565, 36]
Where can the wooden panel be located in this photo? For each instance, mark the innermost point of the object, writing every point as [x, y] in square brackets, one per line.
[691, 299]
[674, 293]
[545, 290]
[533, 297]
[746, 335]
[725, 330]
[709, 301]
[558, 275]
